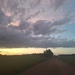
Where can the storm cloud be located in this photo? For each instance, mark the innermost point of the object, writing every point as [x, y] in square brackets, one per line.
[29, 23]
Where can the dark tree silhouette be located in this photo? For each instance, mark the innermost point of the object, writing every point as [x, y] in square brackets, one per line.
[48, 53]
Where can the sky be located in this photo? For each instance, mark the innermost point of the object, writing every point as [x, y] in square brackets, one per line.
[32, 26]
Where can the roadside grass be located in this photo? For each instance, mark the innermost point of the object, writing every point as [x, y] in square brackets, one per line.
[68, 59]
[12, 65]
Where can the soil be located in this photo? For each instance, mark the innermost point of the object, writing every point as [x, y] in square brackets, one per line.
[52, 66]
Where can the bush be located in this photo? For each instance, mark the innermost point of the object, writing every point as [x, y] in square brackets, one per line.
[48, 53]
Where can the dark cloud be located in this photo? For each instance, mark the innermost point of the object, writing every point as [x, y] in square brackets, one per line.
[57, 3]
[3, 18]
[11, 39]
[44, 28]
[22, 27]
[63, 21]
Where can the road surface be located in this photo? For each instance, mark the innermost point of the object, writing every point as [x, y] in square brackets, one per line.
[51, 67]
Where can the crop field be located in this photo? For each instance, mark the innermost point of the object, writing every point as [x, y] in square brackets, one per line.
[68, 59]
[12, 65]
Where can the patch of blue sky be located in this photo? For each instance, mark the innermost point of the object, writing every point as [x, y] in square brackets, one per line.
[70, 33]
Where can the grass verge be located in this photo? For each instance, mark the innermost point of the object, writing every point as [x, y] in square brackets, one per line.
[12, 65]
[68, 59]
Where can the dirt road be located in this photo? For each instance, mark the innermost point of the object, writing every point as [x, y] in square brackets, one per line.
[51, 67]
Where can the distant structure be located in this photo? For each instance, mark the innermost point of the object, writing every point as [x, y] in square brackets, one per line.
[48, 53]
[66, 55]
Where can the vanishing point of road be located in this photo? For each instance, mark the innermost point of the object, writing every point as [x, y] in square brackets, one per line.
[52, 66]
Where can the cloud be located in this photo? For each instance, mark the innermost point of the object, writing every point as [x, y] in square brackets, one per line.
[35, 3]
[11, 39]
[24, 36]
[35, 27]
[57, 3]
[63, 21]
[32, 16]
[44, 27]
[3, 18]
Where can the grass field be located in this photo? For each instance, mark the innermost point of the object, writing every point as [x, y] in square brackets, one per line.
[12, 65]
[68, 59]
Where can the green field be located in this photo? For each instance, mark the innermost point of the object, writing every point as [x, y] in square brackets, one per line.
[12, 65]
[68, 59]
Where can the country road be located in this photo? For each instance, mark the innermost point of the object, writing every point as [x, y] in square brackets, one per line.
[51, 67]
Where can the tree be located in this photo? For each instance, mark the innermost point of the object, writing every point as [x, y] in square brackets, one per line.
[48, 53]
